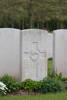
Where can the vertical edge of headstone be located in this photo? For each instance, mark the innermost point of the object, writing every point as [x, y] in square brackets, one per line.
[54, 34]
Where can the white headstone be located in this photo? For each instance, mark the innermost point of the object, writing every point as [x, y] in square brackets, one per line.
[34, 54]
[10, 52]
[50, 45]
[60, 52]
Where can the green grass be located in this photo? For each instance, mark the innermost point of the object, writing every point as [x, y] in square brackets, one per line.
[49, 67]
[56, 96]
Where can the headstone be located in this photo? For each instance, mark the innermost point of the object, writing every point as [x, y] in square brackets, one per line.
[34, 54]
[10, 52]
[60, 52]
[50, 45]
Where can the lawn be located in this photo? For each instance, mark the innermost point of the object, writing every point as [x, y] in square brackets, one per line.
[56, 96]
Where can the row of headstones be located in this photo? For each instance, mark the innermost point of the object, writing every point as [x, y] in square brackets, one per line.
[24, 53]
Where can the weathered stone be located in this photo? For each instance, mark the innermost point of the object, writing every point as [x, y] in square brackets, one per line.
[60, 52]
[34, 54]
[10, 52]
[24, 54]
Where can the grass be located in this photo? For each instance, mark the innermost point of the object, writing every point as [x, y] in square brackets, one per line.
[49, 67]
[55, 96]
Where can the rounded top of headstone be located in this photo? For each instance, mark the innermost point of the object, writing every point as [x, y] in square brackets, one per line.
[60, 30]
[8, 29]
[35, 30]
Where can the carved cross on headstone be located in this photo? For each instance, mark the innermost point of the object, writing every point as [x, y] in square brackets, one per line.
[35, 52]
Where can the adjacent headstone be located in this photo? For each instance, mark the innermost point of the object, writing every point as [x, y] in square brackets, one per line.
[50, 45]
[34, 54]
[10, 52]
[60, 52]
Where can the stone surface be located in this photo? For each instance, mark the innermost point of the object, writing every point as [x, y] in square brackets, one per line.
[50, 45]
[10, 52]
[60, 52]
[24, 54]
[34, 54]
